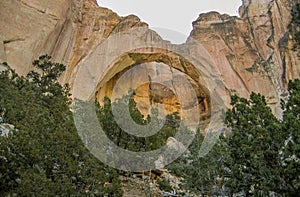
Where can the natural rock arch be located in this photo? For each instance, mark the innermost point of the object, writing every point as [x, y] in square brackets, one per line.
[149, 93]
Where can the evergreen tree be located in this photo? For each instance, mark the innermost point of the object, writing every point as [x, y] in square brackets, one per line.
[44, 156]
[263, 152]
[291, 150]
[295, 23]
[130, 142]
[201, 175]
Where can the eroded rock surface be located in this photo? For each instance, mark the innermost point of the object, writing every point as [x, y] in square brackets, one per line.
[247, 53]
[30, 28]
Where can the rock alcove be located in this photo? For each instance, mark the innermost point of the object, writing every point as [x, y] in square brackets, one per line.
[150, 93]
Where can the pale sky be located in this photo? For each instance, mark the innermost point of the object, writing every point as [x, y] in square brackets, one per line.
[172, 19]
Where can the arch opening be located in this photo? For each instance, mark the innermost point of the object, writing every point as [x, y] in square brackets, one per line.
[150, 93]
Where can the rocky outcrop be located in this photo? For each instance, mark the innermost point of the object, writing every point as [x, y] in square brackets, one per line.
[253, 53]
[5, 128]
[243, 54]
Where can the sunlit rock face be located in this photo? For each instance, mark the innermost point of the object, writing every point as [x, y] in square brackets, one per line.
[223, 54]
[253, 52]
[30, 28]
[161, 66]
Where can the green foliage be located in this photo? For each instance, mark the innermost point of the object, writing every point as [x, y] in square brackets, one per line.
[291, 129]
[201, 175]
[164, 185]
[295, 24]
[124, 139]
[263, 152]
[296, 14]
[254, 145]
[44, 156]
[50, 73]
[260, 156]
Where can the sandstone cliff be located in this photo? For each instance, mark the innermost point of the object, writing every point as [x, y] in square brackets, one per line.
[247, 53]
[253, 52]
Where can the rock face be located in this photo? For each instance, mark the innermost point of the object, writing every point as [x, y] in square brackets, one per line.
[250, 53]
[29, 28]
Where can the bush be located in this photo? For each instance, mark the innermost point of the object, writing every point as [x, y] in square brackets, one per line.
[164, 185]
[44, 156]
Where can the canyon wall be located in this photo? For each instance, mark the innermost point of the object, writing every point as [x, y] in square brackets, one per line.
[252, 52]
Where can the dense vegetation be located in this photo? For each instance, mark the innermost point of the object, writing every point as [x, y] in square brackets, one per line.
[264, 152]
[260, 156]
[295, 24]
[131, 142]
[44, 155]
[201, 175]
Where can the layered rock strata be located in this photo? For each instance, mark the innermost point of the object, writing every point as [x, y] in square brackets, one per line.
[252, 52]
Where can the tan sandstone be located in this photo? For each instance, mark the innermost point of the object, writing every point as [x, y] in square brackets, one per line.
[233, 54]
